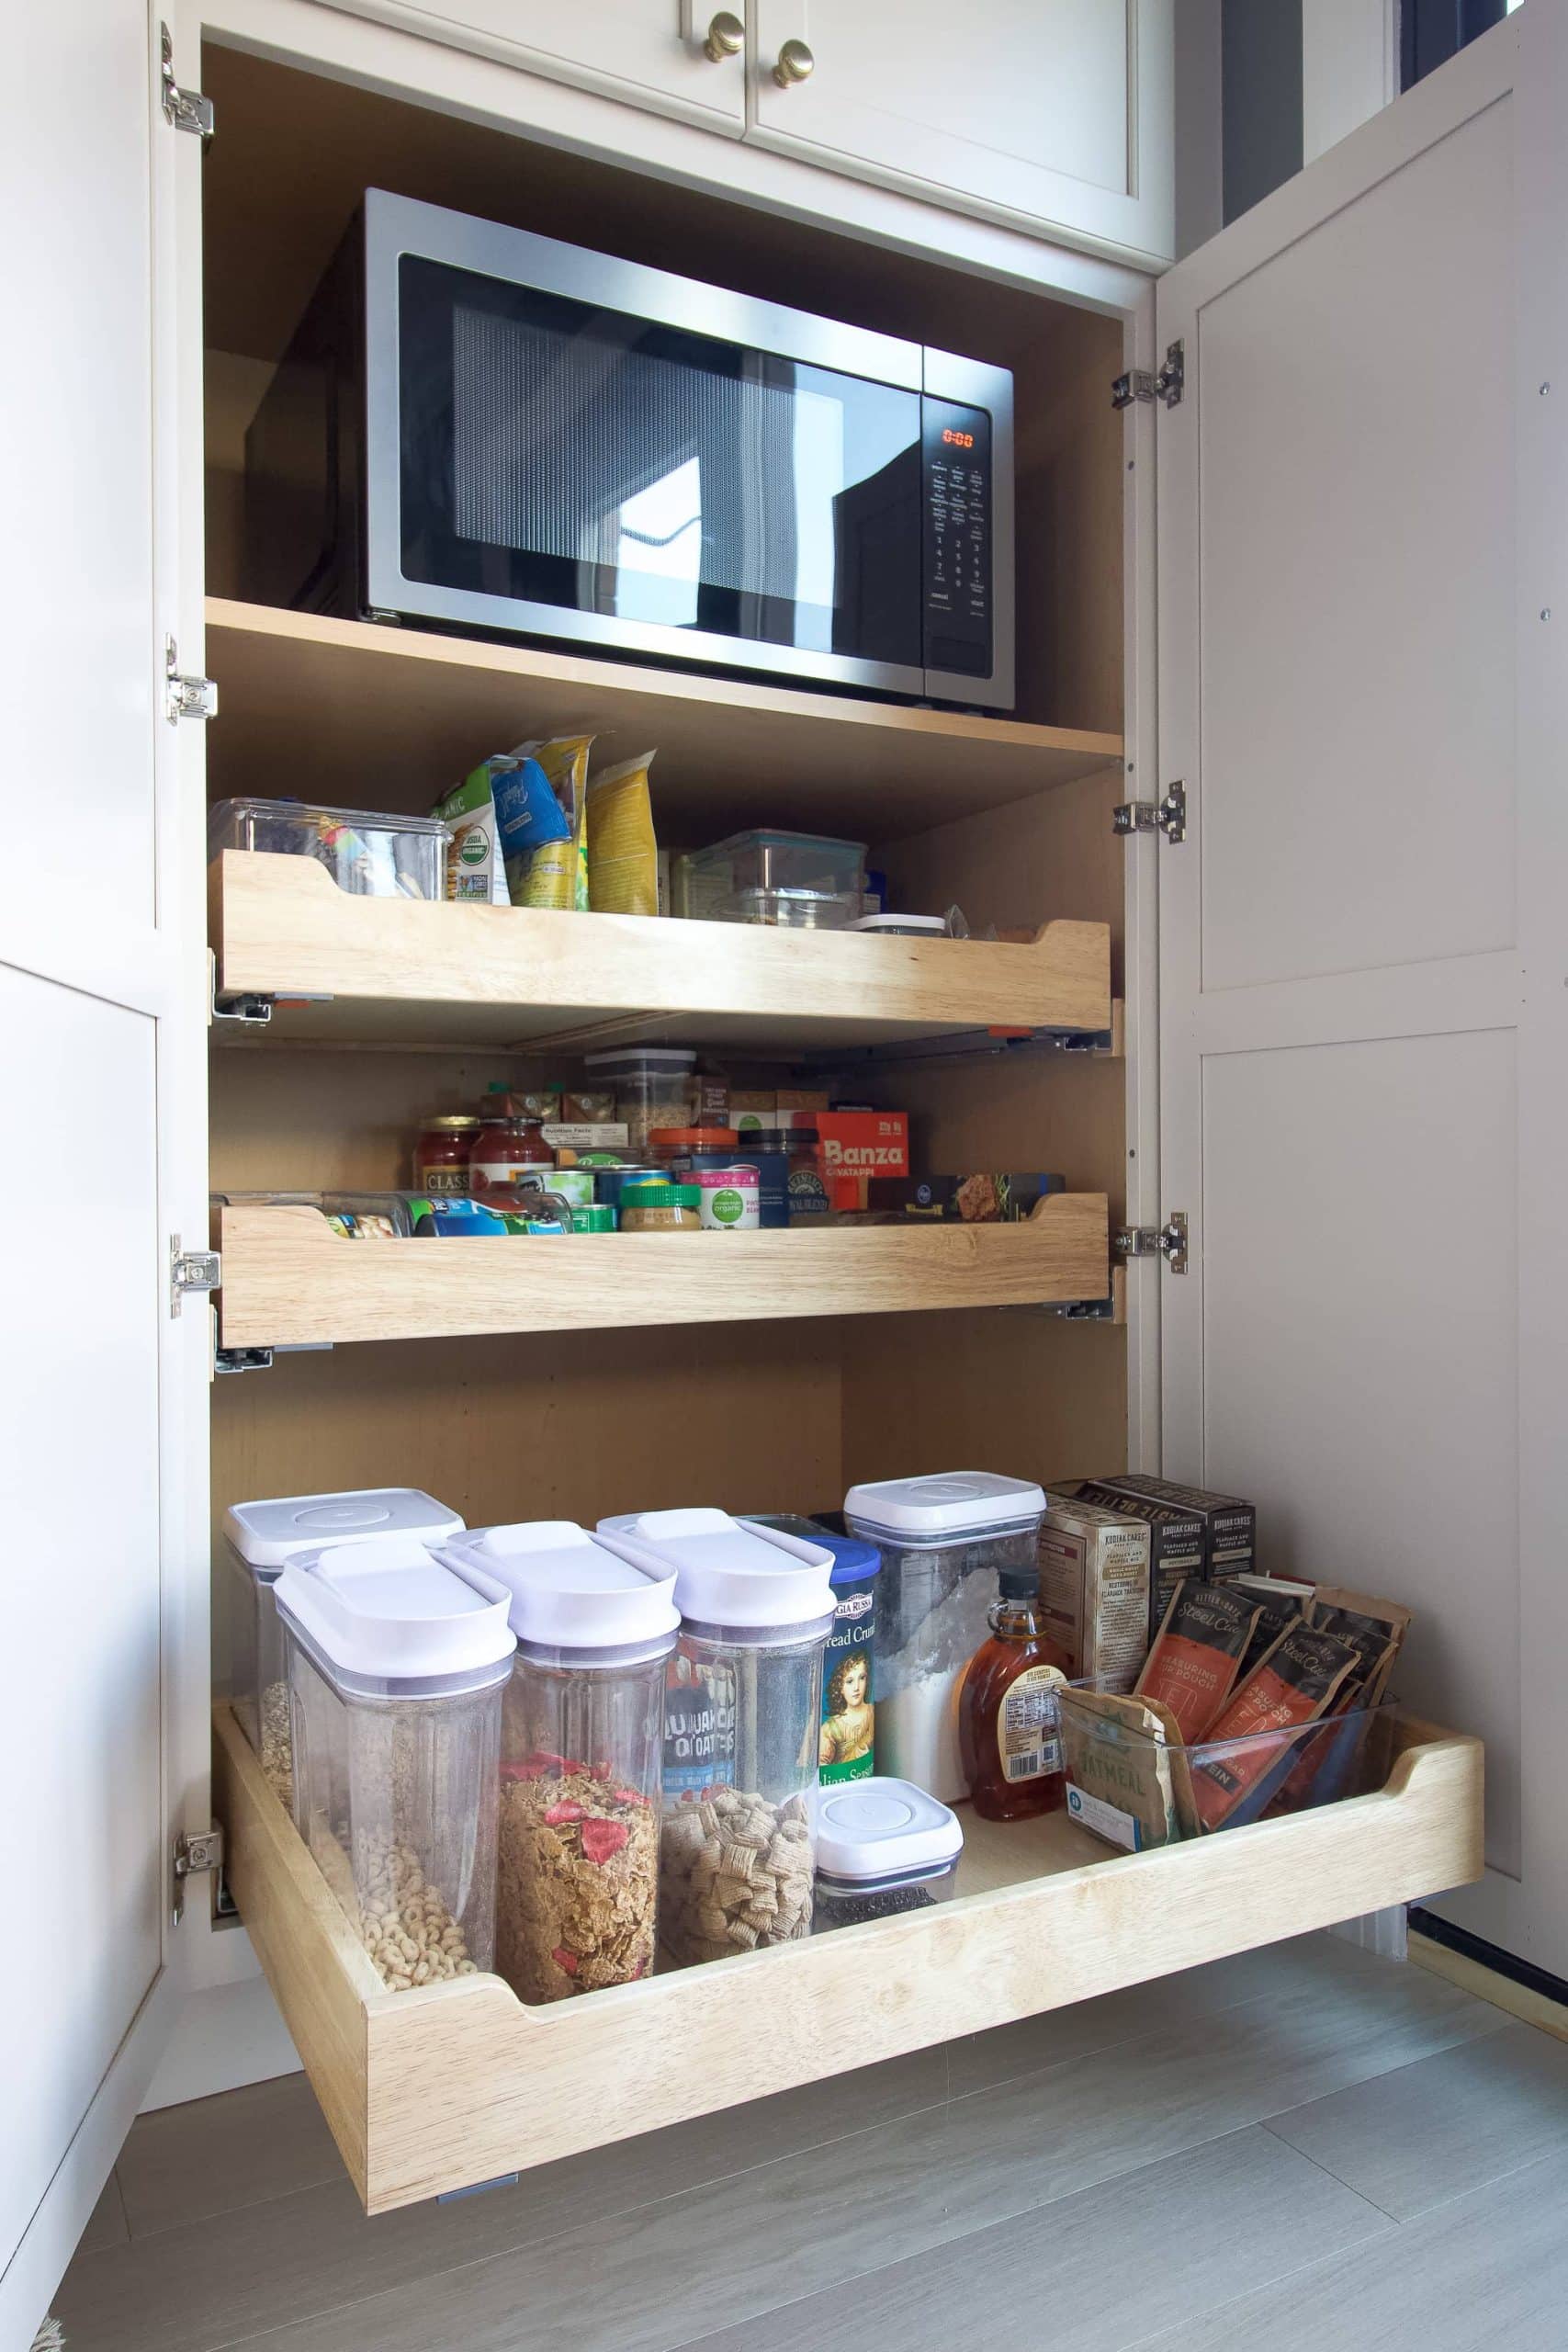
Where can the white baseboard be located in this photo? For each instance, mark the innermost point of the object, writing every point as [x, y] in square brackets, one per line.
[224, 2037]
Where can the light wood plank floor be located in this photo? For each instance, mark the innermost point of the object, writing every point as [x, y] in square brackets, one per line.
[1142, 2171]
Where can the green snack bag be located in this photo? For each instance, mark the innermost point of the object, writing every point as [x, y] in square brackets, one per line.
[474, 868]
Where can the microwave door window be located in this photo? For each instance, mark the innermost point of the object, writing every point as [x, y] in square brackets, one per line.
[554, 453]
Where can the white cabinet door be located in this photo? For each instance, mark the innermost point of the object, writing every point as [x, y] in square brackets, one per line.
[1362, 509]
[1053, 112]
[100, 1030]
[648, 52]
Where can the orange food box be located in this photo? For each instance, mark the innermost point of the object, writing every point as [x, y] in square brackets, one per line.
[853, 1146]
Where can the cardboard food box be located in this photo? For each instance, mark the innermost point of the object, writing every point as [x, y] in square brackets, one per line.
[750, 1108]
[988, 1197]
[854, 1145]
[1094, 1589]
[1175, 1538]
[1230, 1522]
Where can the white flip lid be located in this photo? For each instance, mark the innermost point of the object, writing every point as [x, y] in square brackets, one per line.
[950, 1502]
[571, 1590]
[935, 924]
[727, 1572]
[392, 1613]
[266, 1534]
[875, 1828]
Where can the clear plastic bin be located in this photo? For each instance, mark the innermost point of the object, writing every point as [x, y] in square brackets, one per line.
[258, 1539]
[883, 1847]
[655, 1087]
[764, 859]
[370, 856]
[742, 1706]
[1135, 1791]
[792, 910]
[581, 1749]
[396, 1664]
[943, 1542]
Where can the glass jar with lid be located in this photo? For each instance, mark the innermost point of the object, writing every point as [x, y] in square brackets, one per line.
[441, 1152]
[583, 1729]
[656, 1208]
[742, 1711]
[396, 1664]
[504, 1158]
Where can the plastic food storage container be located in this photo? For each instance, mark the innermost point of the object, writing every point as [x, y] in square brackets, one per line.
[582, 1745]
[792, 910]
[396, 1664]
[372, 856]
[258, 1539]
[883, 1846]
[1135, 1791]
[743, 1699]
[767, 860]
[943, 1540]
[655, 1087]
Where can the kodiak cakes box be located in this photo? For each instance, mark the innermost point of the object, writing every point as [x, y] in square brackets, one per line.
[1177, 1545]
[1230, 1523]
[1094, 1589]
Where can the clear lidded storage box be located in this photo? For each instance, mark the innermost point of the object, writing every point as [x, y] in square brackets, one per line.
[655, 1087]
[581, 1746]
[765, 859]
[370, 856]
[258, 1538]
[396, 1664]
[943, 1540]
[743, 1702]
[883, 1847]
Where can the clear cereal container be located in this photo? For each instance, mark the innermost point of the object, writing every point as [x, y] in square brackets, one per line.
[583, 1729]
[397, 1665]
[655, 1087]
[742, 1714]
[372, 856]
[943, 1542]
[258, 1538]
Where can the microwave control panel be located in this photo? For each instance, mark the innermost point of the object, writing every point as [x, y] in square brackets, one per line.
[955, 451]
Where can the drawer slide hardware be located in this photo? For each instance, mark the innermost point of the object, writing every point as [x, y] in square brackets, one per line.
[242, 1360]
[1167, 1241]
[1145, 384]
[191, 1270]
[1167, 816]
[185, 109]
[186, 697]
[196, 1850]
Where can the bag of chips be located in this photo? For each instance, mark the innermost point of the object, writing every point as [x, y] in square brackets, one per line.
[623, 858]
[557, 875]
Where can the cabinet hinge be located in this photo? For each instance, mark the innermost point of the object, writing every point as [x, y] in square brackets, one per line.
[1165, 384]
[185, 109]
[1167, 816]
[191, 1270]
[194, 1851]
[186, 697]
[1167, 1241]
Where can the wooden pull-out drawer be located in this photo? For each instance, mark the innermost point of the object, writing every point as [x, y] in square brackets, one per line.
[457, 2083]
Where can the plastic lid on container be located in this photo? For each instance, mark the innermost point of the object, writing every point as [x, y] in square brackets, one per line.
[880, 1828]
[854, 1561]
[693, 1138]
[572, 1590]
[656, 1057]
[393, 1614]
[267, 1533]
[913, 926]
[730, 1571]
[644, 1192]
[950, 1502]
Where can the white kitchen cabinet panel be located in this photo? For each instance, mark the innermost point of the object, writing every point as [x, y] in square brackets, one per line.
[1053, 112]
[655, 53]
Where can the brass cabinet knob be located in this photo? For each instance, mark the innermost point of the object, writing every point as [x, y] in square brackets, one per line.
[796, 63]
[727, 38]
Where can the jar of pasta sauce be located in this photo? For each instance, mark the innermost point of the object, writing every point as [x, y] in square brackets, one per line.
[441, 1153]
[504, 1159]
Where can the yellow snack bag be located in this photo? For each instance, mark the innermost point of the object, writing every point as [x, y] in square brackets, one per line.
[623, 858]
[557, 874]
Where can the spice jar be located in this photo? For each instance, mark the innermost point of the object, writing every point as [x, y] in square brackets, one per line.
[396, 1668]
[259, 1538]
[583, 1728]
[742, 1705]
[650, 1206]
[441, 1154]
[501, 1156]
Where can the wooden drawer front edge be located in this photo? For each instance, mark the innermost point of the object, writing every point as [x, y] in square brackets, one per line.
[461, 2083]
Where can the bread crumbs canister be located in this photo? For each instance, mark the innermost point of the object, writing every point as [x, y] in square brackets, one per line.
[846, 1749]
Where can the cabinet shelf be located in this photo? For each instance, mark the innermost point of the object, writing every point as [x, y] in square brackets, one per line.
[398, 972]
[289, 1281]
[358, 712]
[457, 2083]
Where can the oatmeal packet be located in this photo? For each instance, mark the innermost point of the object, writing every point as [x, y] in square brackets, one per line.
[1296, 1682]
[1120, 1757]
[1197, 1654]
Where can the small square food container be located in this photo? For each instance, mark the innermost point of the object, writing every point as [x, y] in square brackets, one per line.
[792, 910]
[397, 1665]
[258, 1538]
[883, 1846]
[371, 856]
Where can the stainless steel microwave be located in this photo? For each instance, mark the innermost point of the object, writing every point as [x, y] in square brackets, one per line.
[488, 431]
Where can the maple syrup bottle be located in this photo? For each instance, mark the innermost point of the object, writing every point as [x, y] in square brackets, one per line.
[1008, 1739]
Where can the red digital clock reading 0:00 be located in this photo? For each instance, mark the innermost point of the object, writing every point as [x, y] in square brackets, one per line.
[957, 440]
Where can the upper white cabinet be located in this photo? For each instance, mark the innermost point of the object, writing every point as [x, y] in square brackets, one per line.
[1053, 112]
[681, 57]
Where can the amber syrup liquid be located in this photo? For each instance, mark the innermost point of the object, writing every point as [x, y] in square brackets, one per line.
[987, 1726]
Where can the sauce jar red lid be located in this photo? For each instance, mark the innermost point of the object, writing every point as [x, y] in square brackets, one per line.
[693, 1138]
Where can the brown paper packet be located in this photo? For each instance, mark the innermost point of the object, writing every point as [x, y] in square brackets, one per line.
[1127, 1752]
[1368, 1621]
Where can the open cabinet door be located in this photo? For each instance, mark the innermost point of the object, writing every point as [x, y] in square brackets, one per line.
[1362, 531]
[101, 1050]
